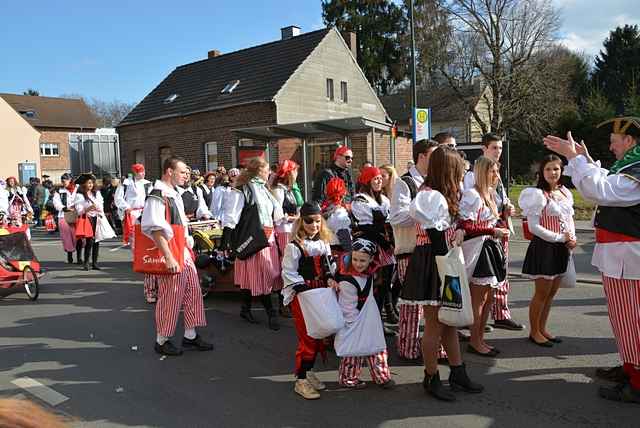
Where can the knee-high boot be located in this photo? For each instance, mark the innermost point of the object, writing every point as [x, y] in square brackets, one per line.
[88, 246]
[245, 309]
[94, 256]
[274, 324]
[79, 251]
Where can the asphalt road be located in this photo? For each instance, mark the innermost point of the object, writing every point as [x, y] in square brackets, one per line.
[85, 349]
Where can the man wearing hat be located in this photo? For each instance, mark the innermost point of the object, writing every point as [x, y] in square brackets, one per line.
[343, 158]
[129, 199]
[617, 250]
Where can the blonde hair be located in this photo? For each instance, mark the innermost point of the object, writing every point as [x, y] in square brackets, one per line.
[393, 176]
[25, 414]
[253, 166]
[481, 171]
[299, 233]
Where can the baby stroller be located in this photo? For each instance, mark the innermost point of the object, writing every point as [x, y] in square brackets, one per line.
[19, 268]
[211, 262]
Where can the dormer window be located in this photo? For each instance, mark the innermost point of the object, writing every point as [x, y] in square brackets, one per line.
[171, 98]
[229, 87]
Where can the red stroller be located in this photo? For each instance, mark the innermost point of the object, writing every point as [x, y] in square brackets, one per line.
[19, 268]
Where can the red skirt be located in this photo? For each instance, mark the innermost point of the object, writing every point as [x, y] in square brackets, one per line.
[84, 228]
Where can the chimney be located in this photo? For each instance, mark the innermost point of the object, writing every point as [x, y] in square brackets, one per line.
[214, 53]
[290, 32]
[350, 38]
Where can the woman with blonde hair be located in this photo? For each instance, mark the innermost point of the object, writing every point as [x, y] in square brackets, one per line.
[257, 271]
[483, 253]
[389, 178]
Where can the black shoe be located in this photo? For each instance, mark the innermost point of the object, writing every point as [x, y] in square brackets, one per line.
[80, 262]
[69, 257]
[554, 339]
[613, 374]
[621, 392]
[508, 325]
[545, 344]
[434, 387]
[85, 267]
[198, 343]
[95, 266]
[490, 354]
[459, 381]
[167, 349]
[390, 384]
[248, 316]
[274, 324]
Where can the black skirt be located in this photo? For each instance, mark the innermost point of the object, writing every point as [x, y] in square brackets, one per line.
[422, 283]
[491, 262]
[545, 259]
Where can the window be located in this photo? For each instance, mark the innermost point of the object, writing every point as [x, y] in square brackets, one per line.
[138, 156]
[29, 114]
[171, 98]
[343, 92]
[211, 156]
[49, 149]
[330, 89]
[229, 87]
[165, 153]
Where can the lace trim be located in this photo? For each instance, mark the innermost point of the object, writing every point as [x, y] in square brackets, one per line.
[419, 302]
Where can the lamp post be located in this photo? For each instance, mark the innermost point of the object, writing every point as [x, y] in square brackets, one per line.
[414, 96]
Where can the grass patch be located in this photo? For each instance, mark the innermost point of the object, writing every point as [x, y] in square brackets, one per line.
[583, 208]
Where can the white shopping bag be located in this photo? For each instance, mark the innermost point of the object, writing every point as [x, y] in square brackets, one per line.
[456, 309]
[365, 335]
[568, 279]
[104, 230]
[321, 311]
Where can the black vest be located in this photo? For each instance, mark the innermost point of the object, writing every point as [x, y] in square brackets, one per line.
[624, 220]
[312, 268]
[174, 215]
[289, 205]
[190, 201]
[207, 196]
[411, 184]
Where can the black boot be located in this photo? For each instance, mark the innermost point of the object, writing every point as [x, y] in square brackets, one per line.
[245, 310]
[283, 310]
[94, 256]
[70, 257]
[391, 317]
[79, 252]
[433, 386]
[274, 324]
[87, 254]
[459, 380]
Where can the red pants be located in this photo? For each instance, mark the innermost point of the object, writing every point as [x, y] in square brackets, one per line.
[350, 368]
[175, 292]
[308, 347]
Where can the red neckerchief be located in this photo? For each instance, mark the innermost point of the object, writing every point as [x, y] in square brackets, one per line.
[71, 187]
[373, 267]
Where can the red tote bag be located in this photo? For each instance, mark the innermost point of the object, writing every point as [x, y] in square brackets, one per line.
[147, 257]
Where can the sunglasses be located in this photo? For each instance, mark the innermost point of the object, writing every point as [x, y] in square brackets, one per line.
[309, 220]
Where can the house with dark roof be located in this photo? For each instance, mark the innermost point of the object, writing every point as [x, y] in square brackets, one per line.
[302, 93]
[449, 112]
[54, 119]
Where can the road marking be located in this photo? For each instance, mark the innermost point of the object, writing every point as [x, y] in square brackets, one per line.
[46, 394]
[118, 248]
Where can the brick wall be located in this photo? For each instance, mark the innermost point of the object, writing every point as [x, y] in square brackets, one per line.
[187, 135]
[61, 138]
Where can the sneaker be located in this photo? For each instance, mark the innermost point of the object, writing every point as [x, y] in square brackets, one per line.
[390, 384]
[613, 374]
[303, 388]
[621, 392]
[358, 384]
[508, 324]
[315, 382]
[197, 343]
[168, 349]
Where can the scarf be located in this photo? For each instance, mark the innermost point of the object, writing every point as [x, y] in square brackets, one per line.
[632, 156]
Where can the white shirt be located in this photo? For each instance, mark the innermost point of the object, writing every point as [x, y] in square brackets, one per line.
[234, 202]
[431, 210]
[203, 190]
[363, 211]
[134, 197]
[202, 212]
[473, 208]
[81, 204]
[533, 202]
[154, 217]
[284, 225]
[615, 259]
[401, 200]
[338, 220]
[348, 298]
[290, 264]
[217, 201]
[57, 201]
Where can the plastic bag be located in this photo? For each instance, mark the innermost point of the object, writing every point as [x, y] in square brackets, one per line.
[321, 311]
[364, 336]
[103, 229]
[456, 308]
[568, 279]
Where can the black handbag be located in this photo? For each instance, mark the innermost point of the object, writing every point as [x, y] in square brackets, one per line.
[248, 237]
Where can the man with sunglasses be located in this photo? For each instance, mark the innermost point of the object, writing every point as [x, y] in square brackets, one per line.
[343, 158]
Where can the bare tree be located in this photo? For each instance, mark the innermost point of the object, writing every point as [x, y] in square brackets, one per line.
[493, 41]
[108, 113]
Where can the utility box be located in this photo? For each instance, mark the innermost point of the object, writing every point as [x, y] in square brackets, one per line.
[98, 153]
[26, 171]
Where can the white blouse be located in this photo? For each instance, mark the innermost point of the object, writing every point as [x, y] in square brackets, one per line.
[268, 209]
[290, 264]
[217, 201]
[431, 210]
[533, 201]
[473, 208]
[363, 211]
[57, 201]
[82, 204]
[285, 224]
[339, 219]
[348, 298]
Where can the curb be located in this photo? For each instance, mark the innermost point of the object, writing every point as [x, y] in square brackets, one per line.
[580, 280]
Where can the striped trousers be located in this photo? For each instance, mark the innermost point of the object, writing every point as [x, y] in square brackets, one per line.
[623, 304]
[350, 368]
[175, 292]
[150, 286]
[500, 310]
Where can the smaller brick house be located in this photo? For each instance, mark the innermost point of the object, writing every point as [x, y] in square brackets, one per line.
[54, 119]
[302, 93]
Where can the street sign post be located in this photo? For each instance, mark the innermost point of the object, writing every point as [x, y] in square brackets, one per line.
[421, 124]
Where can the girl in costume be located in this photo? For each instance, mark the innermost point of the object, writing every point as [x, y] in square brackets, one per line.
[88, 203]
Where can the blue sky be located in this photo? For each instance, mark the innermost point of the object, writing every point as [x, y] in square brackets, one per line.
[123, 49]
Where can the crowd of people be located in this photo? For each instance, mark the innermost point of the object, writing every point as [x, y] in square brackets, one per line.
[374, 240]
